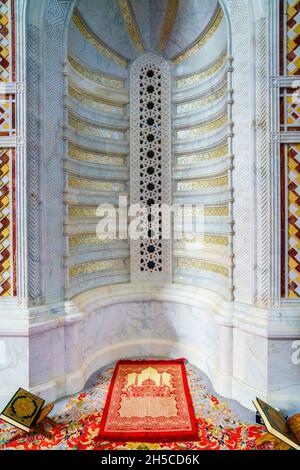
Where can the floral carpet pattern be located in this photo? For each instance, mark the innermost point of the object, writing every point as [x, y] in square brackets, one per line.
[222, 424]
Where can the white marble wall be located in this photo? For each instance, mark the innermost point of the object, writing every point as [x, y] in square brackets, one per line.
[14, 349]
[14, 366]
[243, 353]
[284, 372]
[108, 323]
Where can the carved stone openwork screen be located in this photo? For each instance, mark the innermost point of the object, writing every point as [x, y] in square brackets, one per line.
[150, 164]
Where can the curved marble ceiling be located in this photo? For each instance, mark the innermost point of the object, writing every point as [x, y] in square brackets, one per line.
[120, 30]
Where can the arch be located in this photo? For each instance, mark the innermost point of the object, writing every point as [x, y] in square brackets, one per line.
[47, 29]
[46, 84]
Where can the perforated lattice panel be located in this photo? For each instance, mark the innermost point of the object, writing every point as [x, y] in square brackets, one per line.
[150, 163]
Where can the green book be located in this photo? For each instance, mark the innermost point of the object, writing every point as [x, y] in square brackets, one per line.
[23, 410]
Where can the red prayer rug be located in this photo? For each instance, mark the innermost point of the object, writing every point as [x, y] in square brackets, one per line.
[222, 424]
[148, 401]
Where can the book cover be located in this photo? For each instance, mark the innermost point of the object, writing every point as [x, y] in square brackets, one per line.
[22, 410]
[276, 423]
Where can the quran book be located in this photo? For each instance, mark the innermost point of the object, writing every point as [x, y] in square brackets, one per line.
[276, 423]
[22, 410]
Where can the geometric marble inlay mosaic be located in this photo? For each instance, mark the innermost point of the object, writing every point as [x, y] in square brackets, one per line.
[293, 160]
[289, 109]
[292, 9]
[7, 115]
[289, 97]
[7, 155]
[5, 224]
[293, 111]
[6, 45]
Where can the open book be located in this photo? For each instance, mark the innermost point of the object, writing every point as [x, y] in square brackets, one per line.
[288, 430]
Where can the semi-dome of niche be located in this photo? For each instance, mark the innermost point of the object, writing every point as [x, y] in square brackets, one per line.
[109, 34]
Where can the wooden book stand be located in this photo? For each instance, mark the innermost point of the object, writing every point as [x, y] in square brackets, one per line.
[277, 443]
[39, 426]
[294, 425]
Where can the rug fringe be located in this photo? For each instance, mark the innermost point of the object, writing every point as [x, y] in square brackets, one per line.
[147, 361]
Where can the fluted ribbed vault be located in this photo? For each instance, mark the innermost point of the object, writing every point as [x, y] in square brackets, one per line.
[120, 30]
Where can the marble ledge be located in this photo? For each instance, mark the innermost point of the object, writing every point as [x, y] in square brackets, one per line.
[209, 112]
[90, 281]
[92, 117]
[217, 225]
[89, 248]
[199, 118]
[94, 170]
[204, 169]
[98, 121]
[263, 321]
[248, 318]
[202, 143]
[188, 93]
[96, 144]
[210, 196]
[204, 94]
[92, 198]
[187, 143]
[96, 90]
[102, 254]
[203, 104]
[203, 254]
[223, 55]
[73, 230]
[212, 253]
[101, 297]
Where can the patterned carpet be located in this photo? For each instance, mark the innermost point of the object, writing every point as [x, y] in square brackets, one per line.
[222, 424]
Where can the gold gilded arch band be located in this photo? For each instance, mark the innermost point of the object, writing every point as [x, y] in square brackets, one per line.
[131, 24]
[202, 39]
[170, 17]
[93, 39]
